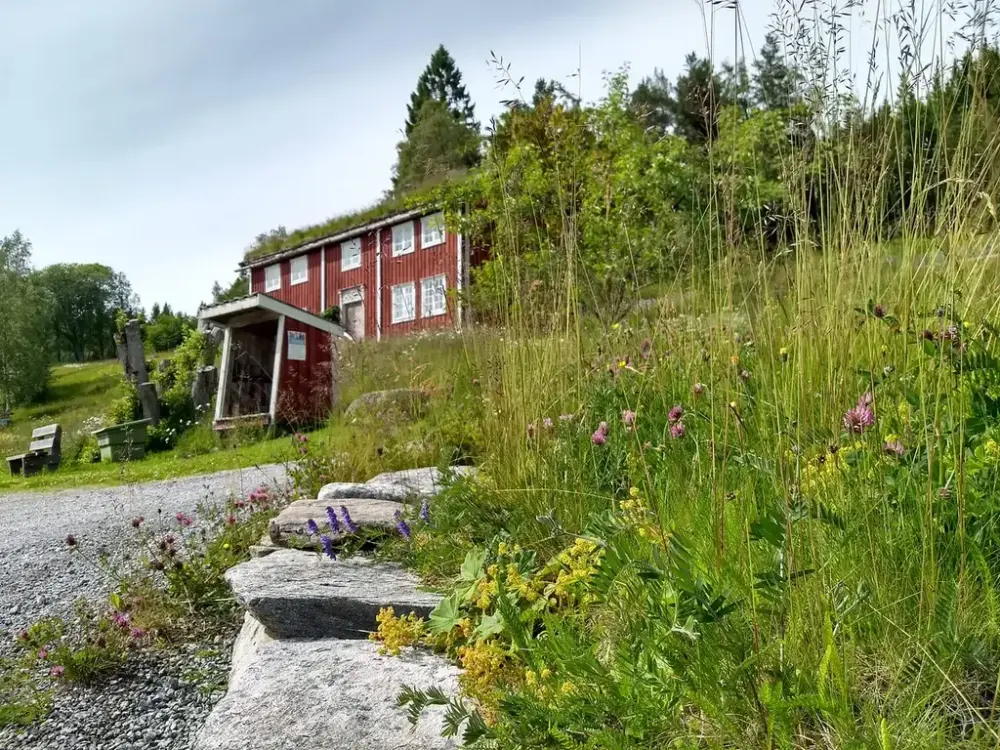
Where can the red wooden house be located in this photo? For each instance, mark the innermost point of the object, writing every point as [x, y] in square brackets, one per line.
[388, 277]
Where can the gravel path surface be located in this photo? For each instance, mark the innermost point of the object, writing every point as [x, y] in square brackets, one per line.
[164, 698]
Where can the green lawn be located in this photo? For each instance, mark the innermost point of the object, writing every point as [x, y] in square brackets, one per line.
[76, 399]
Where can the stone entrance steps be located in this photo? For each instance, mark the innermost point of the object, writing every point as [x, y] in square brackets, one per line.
[304, 675]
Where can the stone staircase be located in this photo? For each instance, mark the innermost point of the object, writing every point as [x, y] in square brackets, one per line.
[304, 674]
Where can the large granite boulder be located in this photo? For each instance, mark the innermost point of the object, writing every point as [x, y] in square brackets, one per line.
[327, 695]
[303, 595]
[398, 402]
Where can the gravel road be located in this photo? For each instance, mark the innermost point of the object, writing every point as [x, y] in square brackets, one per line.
[163, 700]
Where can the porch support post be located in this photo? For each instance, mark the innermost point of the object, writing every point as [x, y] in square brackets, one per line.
[279, 357]
[223, 392]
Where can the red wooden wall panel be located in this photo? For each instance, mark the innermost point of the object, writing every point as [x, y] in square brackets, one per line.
[305, 389]
[364, 277]
[422, 263]
[305, 295]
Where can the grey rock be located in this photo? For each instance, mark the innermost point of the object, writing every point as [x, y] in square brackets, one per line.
[353, 490]
[302, 595]
[289, 526]
[253, 635]
[398, 402]
[421, 483]
[327, 695]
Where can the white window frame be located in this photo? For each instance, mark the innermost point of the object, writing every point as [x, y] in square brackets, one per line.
[424, 284]
[398, 248]
[413, 302]
[438, 238]
[355, 261]
[302, 262]
[272, 285]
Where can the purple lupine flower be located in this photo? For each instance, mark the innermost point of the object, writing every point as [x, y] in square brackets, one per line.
[312, 527]
[328, 550]
[425, 511]
[332, 518]
[348, 522]
[677, 430]
[894, 448]
[628, 418]
[402, 526]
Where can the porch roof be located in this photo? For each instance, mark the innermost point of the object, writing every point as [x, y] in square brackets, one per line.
[259, 307]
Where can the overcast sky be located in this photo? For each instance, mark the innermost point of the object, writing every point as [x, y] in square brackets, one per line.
[159, 137]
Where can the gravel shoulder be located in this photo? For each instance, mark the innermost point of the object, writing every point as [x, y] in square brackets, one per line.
[164, 698]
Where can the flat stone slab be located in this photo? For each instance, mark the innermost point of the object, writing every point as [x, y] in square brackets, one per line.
[289, 526]
[303, 595]
[327, 695]
[396, 486]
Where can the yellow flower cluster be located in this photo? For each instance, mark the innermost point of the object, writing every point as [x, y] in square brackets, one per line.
[821, 472]
[395, 633]
[486, 665]
[542, 685]
[572, 566]
[992, 449]
[640, 518]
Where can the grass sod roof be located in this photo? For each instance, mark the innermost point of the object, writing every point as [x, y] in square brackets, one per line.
[422, 197]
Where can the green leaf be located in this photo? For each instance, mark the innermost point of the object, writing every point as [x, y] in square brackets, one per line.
[472, 567]
[445, 615]
[491, 624]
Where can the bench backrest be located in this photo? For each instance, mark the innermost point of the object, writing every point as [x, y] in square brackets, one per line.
[47, 439]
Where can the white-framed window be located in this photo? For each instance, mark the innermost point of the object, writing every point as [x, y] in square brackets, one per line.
[403, 303]
[350, 254]
[299, 270]
[432, 296]
[402, 239]
[432, 230]
[272, 278]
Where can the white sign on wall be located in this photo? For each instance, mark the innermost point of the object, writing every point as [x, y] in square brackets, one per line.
[296, 346]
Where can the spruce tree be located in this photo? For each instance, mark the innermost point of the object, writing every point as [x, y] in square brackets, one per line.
[774, 82]
[441, 81]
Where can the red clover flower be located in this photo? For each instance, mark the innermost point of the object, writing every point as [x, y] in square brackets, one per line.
[677, 430]
[859, 418]
[628, 418]
[675, 414]
[600, 436]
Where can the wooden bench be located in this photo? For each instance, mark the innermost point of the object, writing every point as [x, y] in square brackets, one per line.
[44, 452]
